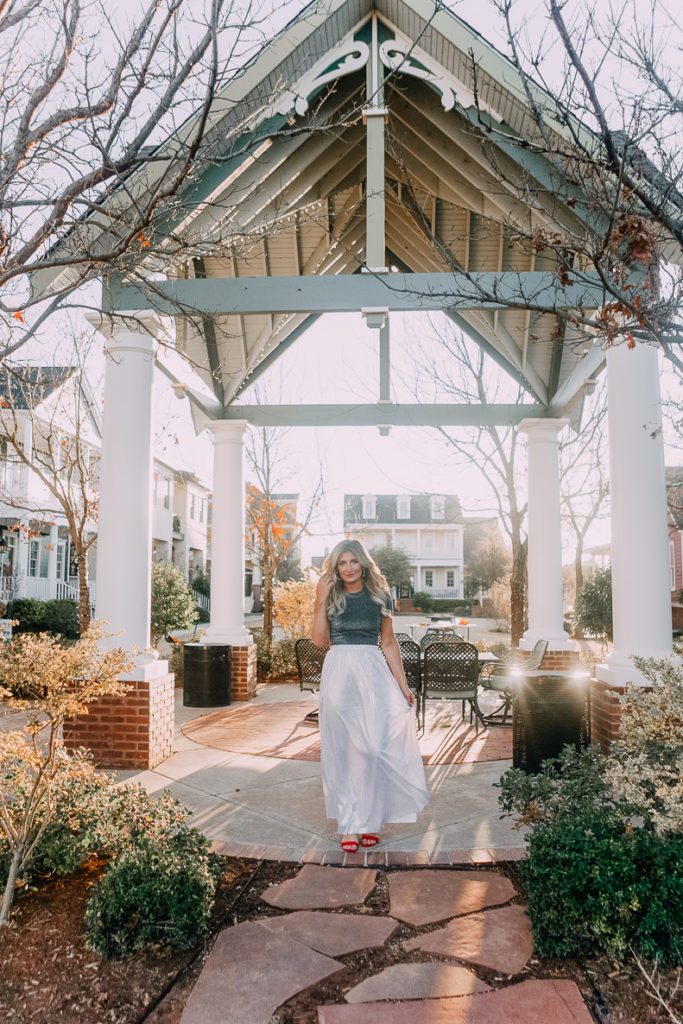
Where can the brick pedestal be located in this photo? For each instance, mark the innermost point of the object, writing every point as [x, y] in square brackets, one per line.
[606, 713]
[559, 661]
[243, 672]
[133, 731]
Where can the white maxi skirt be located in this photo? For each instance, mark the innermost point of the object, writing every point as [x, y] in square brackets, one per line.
[372, 770]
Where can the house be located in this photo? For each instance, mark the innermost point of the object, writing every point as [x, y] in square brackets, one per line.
[180, 519]
[428, 527]
[43, 409]
[50, 411]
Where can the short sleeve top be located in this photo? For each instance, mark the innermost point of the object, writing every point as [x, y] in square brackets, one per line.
[360, 622]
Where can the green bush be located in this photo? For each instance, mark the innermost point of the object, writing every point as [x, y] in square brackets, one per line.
[273, 661]
[202, 584]
[202, 614]
[423, 600]
[594, 604]
[95, 816]
[57, 616]
[455, 604]
[159, 891]
[612, 887]
[172, 601]
[598, 877]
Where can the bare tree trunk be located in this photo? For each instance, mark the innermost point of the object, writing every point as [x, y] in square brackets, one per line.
[8, 894]
[83, 592]
[268, 603]
[518, 605]
[578, 579]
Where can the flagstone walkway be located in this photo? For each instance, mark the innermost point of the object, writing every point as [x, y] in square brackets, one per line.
[455, 947]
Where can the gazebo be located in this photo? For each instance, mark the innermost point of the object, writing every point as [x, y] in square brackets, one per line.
[358, 164]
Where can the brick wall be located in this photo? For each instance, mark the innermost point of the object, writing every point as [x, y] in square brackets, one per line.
[133, 731]
[606, 713]
[243, 672]
[557, 661]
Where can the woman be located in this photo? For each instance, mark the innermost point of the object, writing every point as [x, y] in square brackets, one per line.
[371, 766]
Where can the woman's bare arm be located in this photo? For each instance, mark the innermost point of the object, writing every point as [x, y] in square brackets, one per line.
[320, 632]
[392, 653]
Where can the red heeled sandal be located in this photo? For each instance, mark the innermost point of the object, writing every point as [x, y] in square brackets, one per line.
[349, 845]
[368, 839]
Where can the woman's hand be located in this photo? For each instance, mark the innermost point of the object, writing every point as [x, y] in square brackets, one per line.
[324, 586]
[410, 697]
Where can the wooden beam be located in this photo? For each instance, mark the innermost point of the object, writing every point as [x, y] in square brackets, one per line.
[384, 414]
[335, 293]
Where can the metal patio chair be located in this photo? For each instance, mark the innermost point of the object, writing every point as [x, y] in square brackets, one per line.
[501, 680]
[309, 665]
[410, 655]
[450, 671]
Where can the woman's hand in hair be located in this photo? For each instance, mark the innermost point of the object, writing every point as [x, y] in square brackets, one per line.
[324, 586]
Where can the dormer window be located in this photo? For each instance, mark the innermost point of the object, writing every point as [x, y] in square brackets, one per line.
[403, 507]
[437, 506]
[369, 506]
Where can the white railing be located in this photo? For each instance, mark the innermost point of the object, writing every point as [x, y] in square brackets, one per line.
[449, 594]
[202, 600]
[67, 590]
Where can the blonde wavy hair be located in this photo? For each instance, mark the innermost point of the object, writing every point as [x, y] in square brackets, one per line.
[373, 579]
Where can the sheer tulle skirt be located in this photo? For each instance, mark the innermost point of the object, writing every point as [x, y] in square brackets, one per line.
[371, 765]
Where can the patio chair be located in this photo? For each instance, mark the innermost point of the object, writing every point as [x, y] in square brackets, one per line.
[309, 665]
[437, 635]
[410, 654]
[501, 680]
[450, 671]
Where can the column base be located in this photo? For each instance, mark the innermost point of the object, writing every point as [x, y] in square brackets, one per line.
[558, 642]
[133, 731]
[618, 669]
[240, 637]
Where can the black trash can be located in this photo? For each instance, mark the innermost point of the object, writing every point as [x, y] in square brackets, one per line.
[206, 672]
[549, 710]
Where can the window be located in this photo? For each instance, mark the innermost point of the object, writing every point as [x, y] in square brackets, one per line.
[403, 508]
[193, 501]
[429, 578]
[369, 506]
[202, 506]
[438, 506]
[450, 578]
[450, 542]
[672, 564]
[166, 493]
[37, 559]
[428, 541]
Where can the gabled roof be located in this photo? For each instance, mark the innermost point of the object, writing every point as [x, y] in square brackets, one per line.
[281, 182]
[386, 510]
[25, 387]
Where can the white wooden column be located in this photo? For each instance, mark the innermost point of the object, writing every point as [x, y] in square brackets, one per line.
[227, 536]
[52, 560]
[124, 540]
[546, 619]
[641, 591]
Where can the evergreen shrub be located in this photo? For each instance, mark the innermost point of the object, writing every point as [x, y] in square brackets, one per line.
[421, 599]
[56, 616]
[158, 891]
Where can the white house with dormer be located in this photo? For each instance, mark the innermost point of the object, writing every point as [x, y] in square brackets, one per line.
[428, 527]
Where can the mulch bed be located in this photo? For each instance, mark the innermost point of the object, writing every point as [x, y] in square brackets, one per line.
[48, 975]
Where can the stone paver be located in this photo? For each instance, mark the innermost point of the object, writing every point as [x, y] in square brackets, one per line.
[319, 888]
[423, 897]
[332, 934]
[530, 1002]
[417, 981]
[231, 987]
[500, 939]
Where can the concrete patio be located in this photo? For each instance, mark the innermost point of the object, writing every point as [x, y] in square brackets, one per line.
[272, 807]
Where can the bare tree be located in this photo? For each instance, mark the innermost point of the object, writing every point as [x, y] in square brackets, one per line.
[463, 374]
[104, 125]
[607, 128]
[584, 481]
[63, 454]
